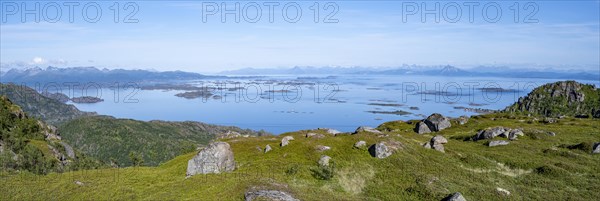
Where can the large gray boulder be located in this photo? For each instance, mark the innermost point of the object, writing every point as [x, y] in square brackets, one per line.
[514, 133]
[268, 195]
[68, 149]
[596, 147]
[455, 197]
[380, 150]
[422, 128]
[360, 144]
[217, 157]
[324, 161]
[437, 122]
[367, 129]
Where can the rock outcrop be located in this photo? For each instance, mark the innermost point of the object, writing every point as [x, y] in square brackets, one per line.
[422, 128]
[217, 157]
[315, 135]
[568, 98]
[331, 131]
[268, 195]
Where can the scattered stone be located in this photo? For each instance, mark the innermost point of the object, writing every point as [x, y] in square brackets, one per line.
[463, 120]
[490, 133]
[380, 150]
[367, 129]
[322, 148]
[596, 148]
[310, 135]
[436, 143]
[268, 195]
[331, 131]
[324, 160]
[455, 197]
[268, 148]
[422, 128]
[315, 135]
[360, 144]
[79, 183]
[498, 143]
[286, 140]
[437, 122]
[217, 157]
[514, 133]
[502, 191]
[551, 134]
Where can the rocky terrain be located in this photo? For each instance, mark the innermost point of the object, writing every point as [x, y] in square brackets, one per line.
[568, 98]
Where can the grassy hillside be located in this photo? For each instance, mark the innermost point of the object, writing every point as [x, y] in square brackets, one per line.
[110, 139]
[47, 109]
[537, 166]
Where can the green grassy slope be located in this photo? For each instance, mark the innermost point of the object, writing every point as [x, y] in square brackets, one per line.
[535, 167]
[106, 138]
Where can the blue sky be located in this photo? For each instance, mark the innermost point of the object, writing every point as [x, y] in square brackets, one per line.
[171, 35]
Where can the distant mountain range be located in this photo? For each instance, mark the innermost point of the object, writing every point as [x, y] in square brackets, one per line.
[92, 74]
[481, 71]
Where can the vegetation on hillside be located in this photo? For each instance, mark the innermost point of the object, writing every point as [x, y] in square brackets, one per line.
[49, 110]
[27, 144]
[112, 140]
[565, 98]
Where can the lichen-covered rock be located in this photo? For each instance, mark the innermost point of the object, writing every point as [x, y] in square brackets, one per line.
[217, 157]
[490, 133]
[436, 143]
[380, 150]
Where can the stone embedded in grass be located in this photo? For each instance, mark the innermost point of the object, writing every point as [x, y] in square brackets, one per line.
[79, 183]
[502, 191]
[268, 148]
[322, 148]
[217, 157]
[310, 135]
[286, 140]
[514, 133]
[268, 195]
[596, 149]
[324, 161]
[367, 129]
[455, 197]
[360, 144]
[498, 143]
[315, 135]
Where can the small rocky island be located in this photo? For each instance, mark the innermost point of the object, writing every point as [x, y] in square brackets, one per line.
[86, 99]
